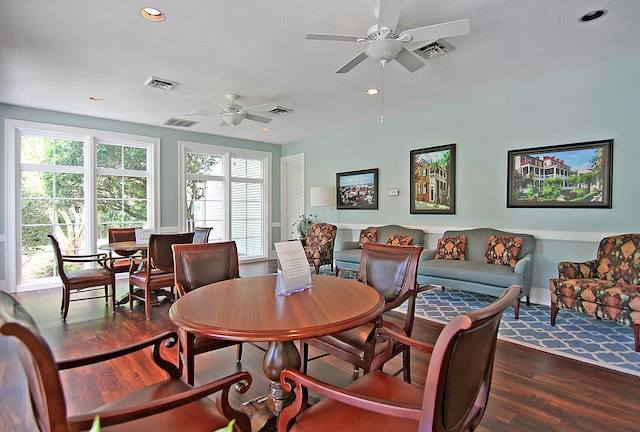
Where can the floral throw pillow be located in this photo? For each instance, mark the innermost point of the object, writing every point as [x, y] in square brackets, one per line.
[369, 235]
[503, 250]
[399, 240]
[452, 248]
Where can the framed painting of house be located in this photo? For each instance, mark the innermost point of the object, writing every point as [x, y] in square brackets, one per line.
[357, 190]
[571, 175]
[433, 180]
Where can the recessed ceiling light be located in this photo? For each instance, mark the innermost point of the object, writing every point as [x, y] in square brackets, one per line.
[152, 14]
[372, 91]
[265, 129]
[593, 15]
[95, 98]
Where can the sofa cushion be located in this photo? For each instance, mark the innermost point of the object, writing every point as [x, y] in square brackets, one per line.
[452, 248]
[399, 240]
[469, 271]
[368, 235]
[503, 250]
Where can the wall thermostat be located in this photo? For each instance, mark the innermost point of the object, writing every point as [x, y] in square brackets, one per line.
[394, 192]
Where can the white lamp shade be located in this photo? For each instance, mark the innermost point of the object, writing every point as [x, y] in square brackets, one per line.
[322, 196]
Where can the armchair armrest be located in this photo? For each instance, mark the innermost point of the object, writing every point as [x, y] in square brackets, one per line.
[242, 380]
[577, 270]
[171, 339]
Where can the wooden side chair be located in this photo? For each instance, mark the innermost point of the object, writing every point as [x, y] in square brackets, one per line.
[122, 262]
[455, 393]
[169, 405]
[392, 271]
[157, 274]
[201, 234]
[196, 265]
[86, 279]
[319, 244]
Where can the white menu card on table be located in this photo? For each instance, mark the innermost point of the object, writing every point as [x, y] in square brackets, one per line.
[294, 272]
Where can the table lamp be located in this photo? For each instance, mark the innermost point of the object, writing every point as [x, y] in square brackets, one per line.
[322, 196]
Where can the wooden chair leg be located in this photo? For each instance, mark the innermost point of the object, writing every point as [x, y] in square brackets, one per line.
[304, 350]
[147, 304]
[406, 365]
[239, 353]
[636, 335]
[554, 313]
[65, 308]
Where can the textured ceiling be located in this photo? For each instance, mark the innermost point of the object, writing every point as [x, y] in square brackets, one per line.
[57, 53]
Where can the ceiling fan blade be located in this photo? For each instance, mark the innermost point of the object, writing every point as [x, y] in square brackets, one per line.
[255, 107]
[409, 60]
[353, 63]
[257, 118]
[389, 13]
[330, 37]
[438, 31]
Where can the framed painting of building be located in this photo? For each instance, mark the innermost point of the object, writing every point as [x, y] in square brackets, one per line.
[571, 175]
[433, 180]
[357, 190]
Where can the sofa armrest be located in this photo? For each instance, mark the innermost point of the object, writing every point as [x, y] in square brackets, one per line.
[427, 254]
[346, 245]
[577, 270]
[522, 264]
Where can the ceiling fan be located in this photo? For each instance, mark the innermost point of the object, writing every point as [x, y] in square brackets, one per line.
[384, 42]
[232, 113]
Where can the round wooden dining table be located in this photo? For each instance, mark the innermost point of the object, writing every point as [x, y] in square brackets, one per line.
[248, 309]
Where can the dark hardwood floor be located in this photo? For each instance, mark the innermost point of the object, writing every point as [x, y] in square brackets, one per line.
[531, 391]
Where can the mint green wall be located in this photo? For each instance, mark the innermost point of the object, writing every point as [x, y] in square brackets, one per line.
[168, 156]
[600, 101]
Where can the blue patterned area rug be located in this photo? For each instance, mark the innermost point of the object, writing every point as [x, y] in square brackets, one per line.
[575, 335]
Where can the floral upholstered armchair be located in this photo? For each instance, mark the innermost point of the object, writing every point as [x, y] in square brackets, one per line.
[607, 287]
[318, 245]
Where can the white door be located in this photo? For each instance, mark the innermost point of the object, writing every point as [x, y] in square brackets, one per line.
[292, 193]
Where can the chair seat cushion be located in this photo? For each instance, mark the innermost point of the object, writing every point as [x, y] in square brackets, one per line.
[201, 415]
[605, 292]
[350, 341]
[158, 278]
[96, 276]
[330, 415]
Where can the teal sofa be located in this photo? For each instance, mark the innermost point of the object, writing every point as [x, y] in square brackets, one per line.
[473, 274]
[347, 255]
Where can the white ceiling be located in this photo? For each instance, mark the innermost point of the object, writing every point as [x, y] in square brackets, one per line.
[55, 54]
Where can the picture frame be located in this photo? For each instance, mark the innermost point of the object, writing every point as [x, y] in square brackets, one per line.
[563, 176]
[357, 190]
[433, 180]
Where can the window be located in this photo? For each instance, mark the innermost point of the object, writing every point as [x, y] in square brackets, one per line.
[227, 189]
[75, 184]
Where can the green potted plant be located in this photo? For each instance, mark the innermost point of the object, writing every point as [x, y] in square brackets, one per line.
[302, 225]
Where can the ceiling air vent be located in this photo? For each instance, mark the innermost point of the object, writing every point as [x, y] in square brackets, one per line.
[180, 122]
[278, 110]
[434, 49]
[161, 83]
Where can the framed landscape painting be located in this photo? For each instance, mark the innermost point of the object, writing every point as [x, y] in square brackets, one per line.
[572, 175]
[357, 190]
[433, 178]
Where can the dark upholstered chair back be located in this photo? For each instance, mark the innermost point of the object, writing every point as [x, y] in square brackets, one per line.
[618, 258]
[461, 366]
[197, 265]
[160, 252]
[121, 235]
[201, 234]
[390, 270]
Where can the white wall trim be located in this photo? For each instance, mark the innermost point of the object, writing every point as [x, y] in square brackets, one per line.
[576, 236]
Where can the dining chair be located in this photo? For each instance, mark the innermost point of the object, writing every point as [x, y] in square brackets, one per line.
[392, 271]
[196, 265]
[168, 405]
[84, 279]
[455, 392]
[201, 234]
[157, 272]
[122, 263]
